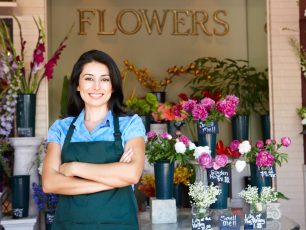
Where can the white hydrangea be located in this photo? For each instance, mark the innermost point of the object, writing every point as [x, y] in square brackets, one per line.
[244, 147]
[200, 150]
[180, 147]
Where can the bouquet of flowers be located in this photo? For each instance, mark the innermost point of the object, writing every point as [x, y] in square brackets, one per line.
[169, 111]
[203, 196]
[208, 110]
[263, 154]
[45, 201]
[258, 201]
[162, 147]
[182, 175]
[147, 185]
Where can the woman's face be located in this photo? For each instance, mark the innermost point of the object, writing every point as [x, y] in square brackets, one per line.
[95, 85]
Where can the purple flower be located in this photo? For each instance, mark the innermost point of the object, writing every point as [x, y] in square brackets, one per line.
[208, 103]
[151, 134]
[264, 158]
[189, 105]
[205, 160]
[260, 144]
[220, 161]
[199, 112]
[234, 145]
[164, 135]
[221, 106]
[184, 139]
[286, 141]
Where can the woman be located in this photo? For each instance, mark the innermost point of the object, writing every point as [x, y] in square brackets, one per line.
[96, 153]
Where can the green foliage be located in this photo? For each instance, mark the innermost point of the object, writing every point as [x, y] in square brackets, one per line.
[143, 106]
[231, 77]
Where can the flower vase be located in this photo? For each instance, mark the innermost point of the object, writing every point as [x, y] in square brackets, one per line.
[200, 174]
[221, 178]
[259, 179]
[25, 115]
[49, 218]
[177, 194]
[265, 126]
[256, 216]
[201, 218]
[174, 127]
[207, 136]
[163, 172]
[240, 127]
[146, 122]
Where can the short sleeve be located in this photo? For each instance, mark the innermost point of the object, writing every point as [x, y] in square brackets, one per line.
[54, 132]
[134, 128]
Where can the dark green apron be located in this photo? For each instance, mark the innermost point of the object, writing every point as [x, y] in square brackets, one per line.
[112, 209]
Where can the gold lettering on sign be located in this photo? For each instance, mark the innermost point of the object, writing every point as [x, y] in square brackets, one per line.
[101, 24]
[199, 22]
[83, 20]
[178, 20]
[154, 21]
[138, 21]
[221, 22]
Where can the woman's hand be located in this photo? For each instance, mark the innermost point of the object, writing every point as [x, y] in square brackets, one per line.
[66, 169]
[127, 156]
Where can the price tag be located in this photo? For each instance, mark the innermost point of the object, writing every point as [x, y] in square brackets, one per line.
[208, 129]
[221, 175]
[204, 223]
[229, 222]
[266, 171]
[255, 220]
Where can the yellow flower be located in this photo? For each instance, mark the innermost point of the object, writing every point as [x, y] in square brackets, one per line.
[182, 175]
[147, 185]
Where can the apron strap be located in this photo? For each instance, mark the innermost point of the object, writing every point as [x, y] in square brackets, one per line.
[69, 133]
[117, 133]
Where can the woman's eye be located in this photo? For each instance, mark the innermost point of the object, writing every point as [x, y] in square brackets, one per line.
[88, 78]
[105, 79]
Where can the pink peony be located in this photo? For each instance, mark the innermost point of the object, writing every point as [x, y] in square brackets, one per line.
[151, 134]
[205, 160]
[189, 105]
[264, 158]
[286, 141]
[269, 142]
[220, 161]
[164, 135]
[199, 112]
[234, 145]
[184, 139]
[208, 103]
[260, 144]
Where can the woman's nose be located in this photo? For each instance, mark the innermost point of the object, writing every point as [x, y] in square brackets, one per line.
[97, 85]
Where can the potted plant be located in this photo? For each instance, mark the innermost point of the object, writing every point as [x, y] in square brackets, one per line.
[162, 150]
[144, 107]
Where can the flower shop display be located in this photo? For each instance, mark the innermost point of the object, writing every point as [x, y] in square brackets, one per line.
[26, 85]
[263, 157]
[256, 214]
[162, 151]
[202, 197]
[207, 112]
[46, 202]
[182, 177]
[147, 185]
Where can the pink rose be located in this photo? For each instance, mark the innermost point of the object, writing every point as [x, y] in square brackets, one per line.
[151, 134]
[205, 161]
[286, 141]
[234, 145]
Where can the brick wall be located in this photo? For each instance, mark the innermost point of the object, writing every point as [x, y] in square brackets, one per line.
[285, 97]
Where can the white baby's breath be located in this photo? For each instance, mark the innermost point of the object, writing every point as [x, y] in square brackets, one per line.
[203, 196]
[201, 149]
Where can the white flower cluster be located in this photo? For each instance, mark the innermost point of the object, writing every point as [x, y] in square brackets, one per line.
[251, 196]
[200, 150]
[180, 147]
[244, 147]
[203, 196]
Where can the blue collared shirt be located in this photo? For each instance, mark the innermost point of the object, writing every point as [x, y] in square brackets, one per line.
[130, 127]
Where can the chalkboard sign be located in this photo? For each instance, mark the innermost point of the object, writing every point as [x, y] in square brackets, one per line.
[204, 223]
[266, 171]
[208, 128]
[229, 222]
[221, 175]
[255, 220]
